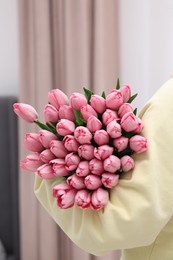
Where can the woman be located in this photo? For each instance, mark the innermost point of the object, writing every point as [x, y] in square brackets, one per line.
[138, 218]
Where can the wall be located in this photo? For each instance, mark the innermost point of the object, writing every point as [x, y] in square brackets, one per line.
[146, 40]
[9, 60]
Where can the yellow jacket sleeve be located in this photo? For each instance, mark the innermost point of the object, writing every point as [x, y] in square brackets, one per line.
[142, 202]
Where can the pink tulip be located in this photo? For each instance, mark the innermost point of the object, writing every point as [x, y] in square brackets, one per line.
[138, 143]
[76, 182]
[82, 199]
[103, 151]
[59, 167]
[66, 112]
[96, 166]
[112, 164]
[83, 169]
[72, 160]
[65, 127]
[124, 108]
[98, 103]
[58, 149]
[83, 135]
[70, 143]
[127, 163]
[93, 124]
[129, 122]
[46, 171]
[109, 180]
[57, 98]
[86, 151]
[46, 156]
[92, 182]
[114, 100]
[120, 143]
[99, 198]
[77, 100]
[140, 126]
[114, 129]
[32, 143]
[65, 195]
[31, 162]
[50, 114]
[25, 111]
[46, 137]
[87, 111]
[101, 137]
[126, 91]
[108, 116]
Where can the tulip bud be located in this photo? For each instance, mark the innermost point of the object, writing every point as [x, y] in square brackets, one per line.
[114, 129]
[120, 143]
[57, 98]
[108, 116]
[140, 126]
[87, 111]
[77, 100]
[112, 164]
[58, 149]
[83, 135]
[72, 160]
[83, 169]
[86, 151]
[114, 100]
[50, 114]
[127, 163]
[31, 162]
[59, 167]
[138, 143]
[46, 137]
[92, 182]
[124, 108]
[70, 143]
[93, 124]
[96, 166]
[65, 195]
[65, 127]
[66, 112]
[101, 137]
[25, 111]
[98, 103]
[46, 156]
[126, 91]
[99, 199]
[76, 182]
[46, 171]
[82, 199]
[129, 122]
[109, 180]
[103, 151]
[32, 143]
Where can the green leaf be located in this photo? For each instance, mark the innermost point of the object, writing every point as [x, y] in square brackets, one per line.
[48, 128]
[103, 95]
[132, 98]
[79, 120]
[135, 111]
[88, 94]
[118, 84]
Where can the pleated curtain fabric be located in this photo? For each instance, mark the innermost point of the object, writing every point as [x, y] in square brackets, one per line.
[65, 44]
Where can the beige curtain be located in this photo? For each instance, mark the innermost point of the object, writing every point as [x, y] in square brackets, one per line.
[66, 44]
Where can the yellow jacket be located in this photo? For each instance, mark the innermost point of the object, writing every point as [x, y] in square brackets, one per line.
[138, 218]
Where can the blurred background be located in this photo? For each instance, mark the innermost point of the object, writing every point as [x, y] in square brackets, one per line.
[68, 44]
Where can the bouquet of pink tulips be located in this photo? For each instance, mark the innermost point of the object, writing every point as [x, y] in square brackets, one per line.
[87, 139]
